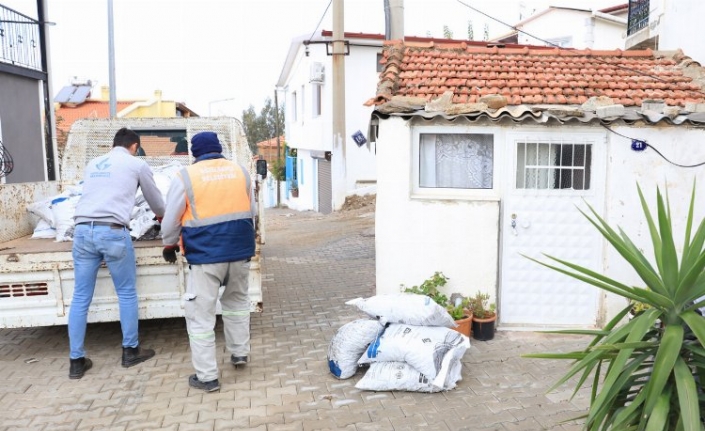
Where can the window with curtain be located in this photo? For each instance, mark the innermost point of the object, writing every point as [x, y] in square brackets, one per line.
[454, 160]
[553, 165]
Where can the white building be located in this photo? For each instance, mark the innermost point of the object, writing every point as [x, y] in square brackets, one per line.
[572, 27]
[666, 25]
[473, 184]
[306, 81]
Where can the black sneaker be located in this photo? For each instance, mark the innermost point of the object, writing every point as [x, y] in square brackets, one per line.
[238, 360]
[211, 386]
[79, 367]
[135, 355]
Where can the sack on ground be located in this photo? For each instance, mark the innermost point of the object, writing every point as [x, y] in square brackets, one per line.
[429, 349]
[348, 344]
[400, 376]
[406, 308]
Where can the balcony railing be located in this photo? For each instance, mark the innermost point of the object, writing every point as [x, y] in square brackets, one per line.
[19, 39]
[638, 16]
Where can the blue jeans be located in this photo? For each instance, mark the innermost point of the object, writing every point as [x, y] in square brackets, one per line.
[91, 246]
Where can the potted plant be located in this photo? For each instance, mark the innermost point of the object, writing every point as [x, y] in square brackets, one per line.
[484, 317]
[646, 372]
[429, 287]
[294, 188]
[458, 309]
[461, 312]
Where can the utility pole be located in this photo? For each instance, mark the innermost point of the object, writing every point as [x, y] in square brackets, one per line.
[339, 163]
[279, 144]
[111, 61]
[396, 19]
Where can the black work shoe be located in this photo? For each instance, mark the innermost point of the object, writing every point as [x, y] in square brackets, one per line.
[238, 360]
[211, 386]
[79, 367]
[135, 355]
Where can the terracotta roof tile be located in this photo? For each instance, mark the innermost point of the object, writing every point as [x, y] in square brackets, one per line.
[66, 116]
[534, 76]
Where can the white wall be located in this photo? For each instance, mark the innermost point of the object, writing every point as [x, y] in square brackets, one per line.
[316, 133]
[584, 31]
[626, 168]
[416, 237]
[677, 26]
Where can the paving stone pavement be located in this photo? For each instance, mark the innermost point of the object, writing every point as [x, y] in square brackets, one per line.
[312, 265]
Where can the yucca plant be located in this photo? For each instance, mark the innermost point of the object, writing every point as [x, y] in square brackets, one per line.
[648, 373]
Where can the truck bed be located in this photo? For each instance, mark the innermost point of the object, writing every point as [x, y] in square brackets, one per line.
[27, 244]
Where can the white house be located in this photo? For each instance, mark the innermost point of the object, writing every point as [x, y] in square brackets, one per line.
[306, 81]
[572, 27]
[666, 25]
[487, 152]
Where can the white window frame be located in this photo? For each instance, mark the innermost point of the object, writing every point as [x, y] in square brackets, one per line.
[303, 103]
[316, 100]
[417, 192]
[596, 139]
[294, 107]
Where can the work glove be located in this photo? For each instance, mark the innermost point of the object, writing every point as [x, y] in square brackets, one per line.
[169, 253]
[158, 226]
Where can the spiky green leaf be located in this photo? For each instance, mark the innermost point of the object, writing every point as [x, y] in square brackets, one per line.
[687, 396]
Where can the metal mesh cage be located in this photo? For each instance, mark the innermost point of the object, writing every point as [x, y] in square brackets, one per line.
[90, 138]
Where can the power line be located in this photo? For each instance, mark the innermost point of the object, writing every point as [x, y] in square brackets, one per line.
[320, 21]
[637, 144]
[639, 72]
[641, 145]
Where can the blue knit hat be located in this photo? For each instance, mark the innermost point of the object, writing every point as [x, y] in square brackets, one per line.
[204, 143]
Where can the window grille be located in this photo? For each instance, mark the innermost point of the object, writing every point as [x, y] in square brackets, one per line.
[553, 165]
[638, 16]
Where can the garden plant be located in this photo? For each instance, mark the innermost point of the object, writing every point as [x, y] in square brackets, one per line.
[647, 372]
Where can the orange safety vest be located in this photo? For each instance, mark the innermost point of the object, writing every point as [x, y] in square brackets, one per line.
[217, 225]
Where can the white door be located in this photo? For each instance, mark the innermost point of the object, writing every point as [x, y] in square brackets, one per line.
[554, 174]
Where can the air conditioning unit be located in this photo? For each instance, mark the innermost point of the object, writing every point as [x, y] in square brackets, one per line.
[317, 75]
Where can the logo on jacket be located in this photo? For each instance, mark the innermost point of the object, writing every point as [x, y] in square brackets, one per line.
[102, 166]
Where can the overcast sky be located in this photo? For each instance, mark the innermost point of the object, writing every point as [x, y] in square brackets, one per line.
[220, 56]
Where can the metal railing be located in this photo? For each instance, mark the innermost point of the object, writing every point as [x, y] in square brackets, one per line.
[19, 39]
[638, 17]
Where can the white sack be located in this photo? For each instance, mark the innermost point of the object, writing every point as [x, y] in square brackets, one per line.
[42, 209]
[429, 349]
[43, 230]
[407, 308]
[400, 376]
[63, 209]
[348, 344]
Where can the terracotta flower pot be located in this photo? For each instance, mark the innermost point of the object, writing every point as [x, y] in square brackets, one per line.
[464, 325]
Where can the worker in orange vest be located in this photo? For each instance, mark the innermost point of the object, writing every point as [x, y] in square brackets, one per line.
[210, 218]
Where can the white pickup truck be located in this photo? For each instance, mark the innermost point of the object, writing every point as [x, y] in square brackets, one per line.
[36, 275]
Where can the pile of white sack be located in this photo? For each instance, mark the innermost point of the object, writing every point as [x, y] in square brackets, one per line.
[408, 344]
[54, 216]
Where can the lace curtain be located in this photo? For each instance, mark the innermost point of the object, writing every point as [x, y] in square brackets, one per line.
[463, 161]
